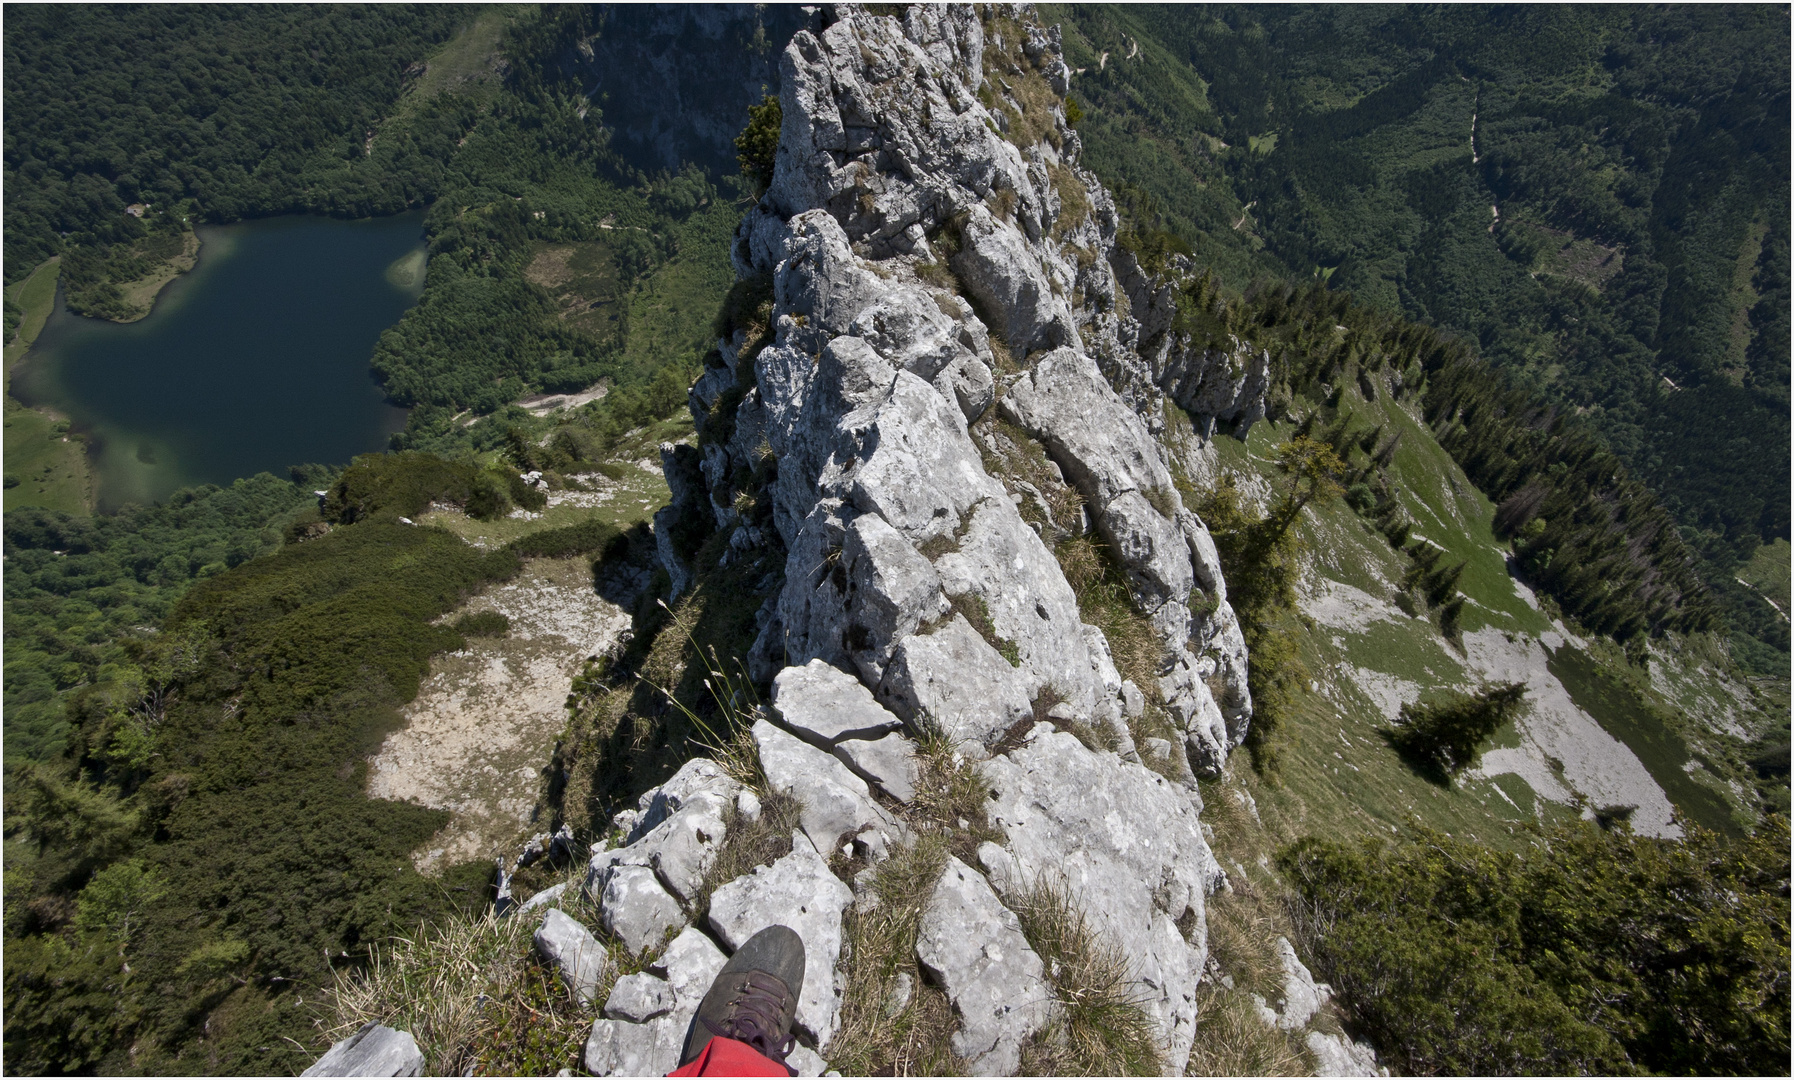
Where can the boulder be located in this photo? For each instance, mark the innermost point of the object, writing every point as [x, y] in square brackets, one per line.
[699, 778]
[823, 705]
[375, 1050]
[835, 801]
[1005, 564]
[636, 908]
[799, 892]
[1127, 846]
[639, 998]
[973, 947]
[572, 950]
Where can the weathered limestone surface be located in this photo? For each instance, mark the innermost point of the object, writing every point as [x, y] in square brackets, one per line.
[835, 802]
[572, 950]
[797, 891]
[973, 946]
[375, 1050]
[1126, 845]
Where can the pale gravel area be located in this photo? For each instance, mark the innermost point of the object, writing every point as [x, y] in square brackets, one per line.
[1710, 695]
[1346, 607]
[1598, 766]
[1388, 692]
[543, 404]
[487, 716]
[1595, 764]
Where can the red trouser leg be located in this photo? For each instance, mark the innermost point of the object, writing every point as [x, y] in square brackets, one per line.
[727, 1057]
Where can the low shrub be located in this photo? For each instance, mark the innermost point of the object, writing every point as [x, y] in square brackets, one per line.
[1583, 951]
[483, 624]
[1441, 737]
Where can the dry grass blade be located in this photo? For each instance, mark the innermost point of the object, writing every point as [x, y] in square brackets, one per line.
[884, 1031]
[1233, 1041]
[472, 993]
[738, 708]
[1102, 1028]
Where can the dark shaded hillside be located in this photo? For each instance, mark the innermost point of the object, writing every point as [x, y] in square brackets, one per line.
[1612, 230]
[675, 80]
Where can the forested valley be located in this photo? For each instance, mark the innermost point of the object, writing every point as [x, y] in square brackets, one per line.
[192, 688]
[1559, 234]
[1594, 198]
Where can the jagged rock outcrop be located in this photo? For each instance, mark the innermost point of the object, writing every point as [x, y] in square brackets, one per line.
[891, 164]
[375, 1050]
[939, 265]
[973, 946]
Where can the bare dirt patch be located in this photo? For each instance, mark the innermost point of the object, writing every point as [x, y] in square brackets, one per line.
[488, 715]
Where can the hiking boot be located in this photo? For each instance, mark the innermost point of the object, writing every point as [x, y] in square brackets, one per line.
[754, 997]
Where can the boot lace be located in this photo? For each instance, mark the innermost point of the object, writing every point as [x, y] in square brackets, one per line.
[754, 1016]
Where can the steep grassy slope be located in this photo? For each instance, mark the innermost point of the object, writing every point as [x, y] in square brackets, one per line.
[1688, 724]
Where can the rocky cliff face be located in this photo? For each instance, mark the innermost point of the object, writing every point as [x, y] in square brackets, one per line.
[957, 379]
[931, 277]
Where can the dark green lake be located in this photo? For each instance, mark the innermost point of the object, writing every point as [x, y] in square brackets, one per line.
[255, 361]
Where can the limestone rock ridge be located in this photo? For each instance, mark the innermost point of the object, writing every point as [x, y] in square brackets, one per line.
[944, 292]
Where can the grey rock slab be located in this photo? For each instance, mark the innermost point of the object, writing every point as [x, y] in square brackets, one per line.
[1008, 567]
[566, 944]
[1006, 274]
[889, 763]
[892, 590]
[1101, 444]
[637, 909]
[676, 830]
[639, 998]
[697, 778]
[1336, 1055]
[908, 328]
[620, 1048]
[822, 704]
[920, 471]
[967, 381]
[1105, 449]
[375, 1050]
[835, 801]
[685, 846]
[690, 964]
[806, 1061]
[542, 899]
[1302, 997]
[973, 946]
[799, 892]
[954, 680]
[1127, 846]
